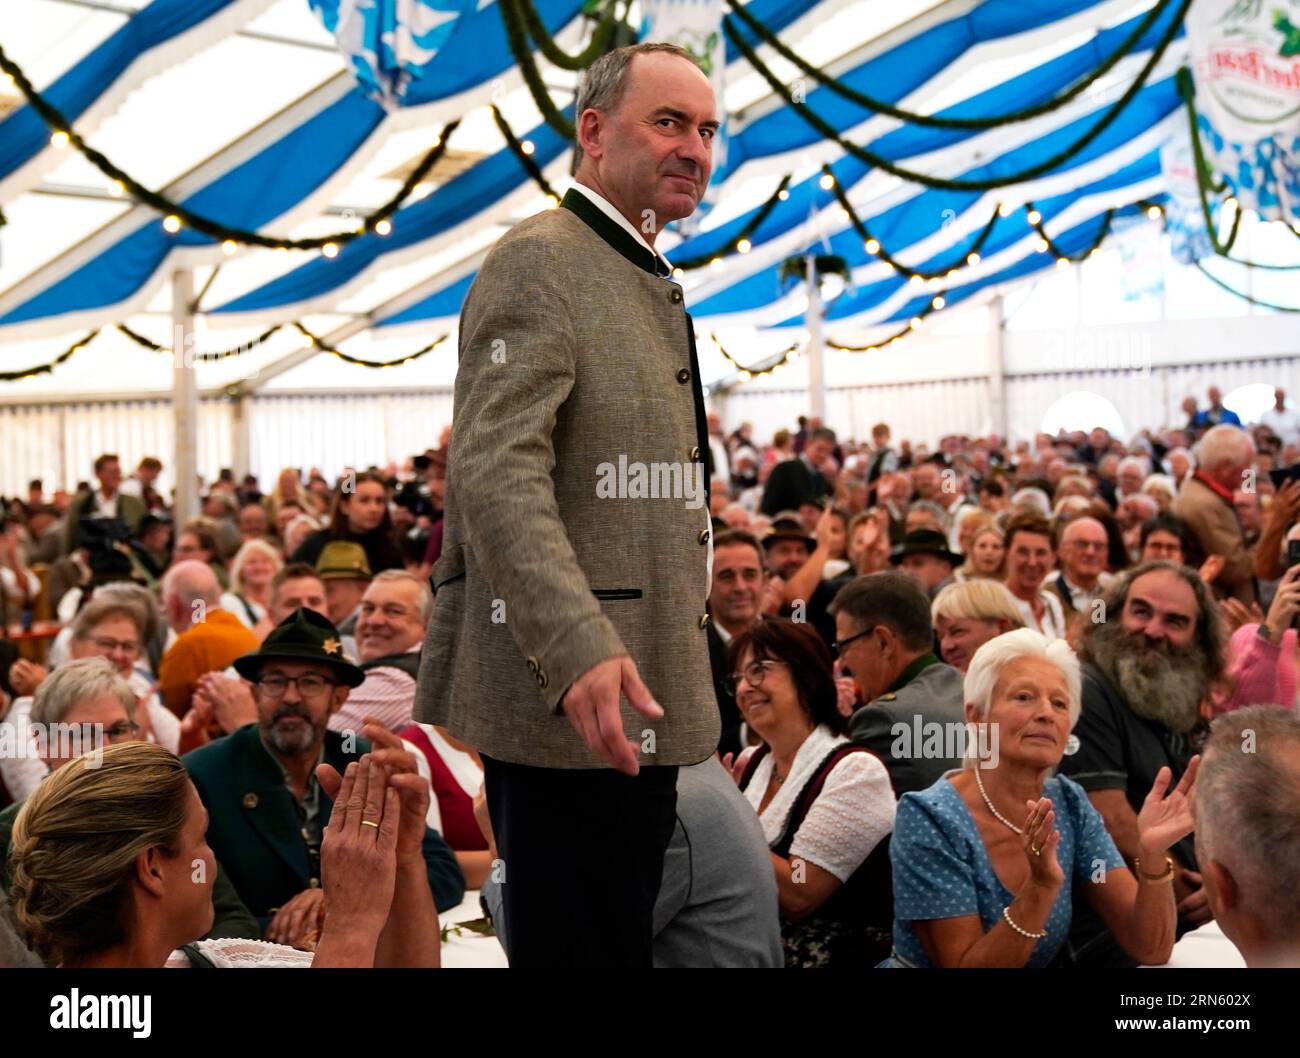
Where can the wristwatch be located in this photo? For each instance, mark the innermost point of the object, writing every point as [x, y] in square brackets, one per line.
[1264, 632]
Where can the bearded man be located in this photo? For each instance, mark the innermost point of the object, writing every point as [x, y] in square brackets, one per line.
[1147, 670]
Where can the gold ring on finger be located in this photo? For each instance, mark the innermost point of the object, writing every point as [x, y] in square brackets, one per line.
[369, 823]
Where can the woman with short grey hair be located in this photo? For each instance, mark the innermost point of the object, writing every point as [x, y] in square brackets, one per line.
[987, 860]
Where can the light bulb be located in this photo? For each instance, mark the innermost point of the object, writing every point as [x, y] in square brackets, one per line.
[1034, 217]
[229, 247]
[171, 223]
[872, 247]
[330, 249]
[972, 258]
[383, 227]
[744, 246]
[827, 181]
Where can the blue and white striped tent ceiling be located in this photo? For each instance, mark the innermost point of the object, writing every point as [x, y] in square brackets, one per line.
[244, 111]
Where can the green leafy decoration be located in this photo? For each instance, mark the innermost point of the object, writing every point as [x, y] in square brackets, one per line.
[1290, 34]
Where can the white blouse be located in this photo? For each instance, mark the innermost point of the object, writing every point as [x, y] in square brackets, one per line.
[234, 953]
[853, 813]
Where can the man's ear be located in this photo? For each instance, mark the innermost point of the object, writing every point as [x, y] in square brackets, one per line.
[340, 696]
[148, 871]
[589, 133]
[1223, 885]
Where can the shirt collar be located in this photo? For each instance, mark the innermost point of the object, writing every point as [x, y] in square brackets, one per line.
[1214, 487]
[579, 194]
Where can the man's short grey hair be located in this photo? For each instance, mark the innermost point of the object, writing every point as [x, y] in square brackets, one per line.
[986, 669]
[605, 81]
[1134, 461]
[1033, 497]
[79, 681]
[421, 588]
[1248, 810]
[1223, 444]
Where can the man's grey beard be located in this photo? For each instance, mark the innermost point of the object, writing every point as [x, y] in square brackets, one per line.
[287, 743]
[1159, 682]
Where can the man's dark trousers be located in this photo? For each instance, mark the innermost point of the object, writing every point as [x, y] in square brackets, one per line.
[582, 854]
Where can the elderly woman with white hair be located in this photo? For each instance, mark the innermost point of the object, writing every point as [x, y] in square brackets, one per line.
[988, 861]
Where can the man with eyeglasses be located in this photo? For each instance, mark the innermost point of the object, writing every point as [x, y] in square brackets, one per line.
[884, 638]
[267, 813]
[1082, 578]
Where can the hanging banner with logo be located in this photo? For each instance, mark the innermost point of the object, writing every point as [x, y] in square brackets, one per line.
[388, 43]
[695, 25]
[1246, 63]
[1184, 220]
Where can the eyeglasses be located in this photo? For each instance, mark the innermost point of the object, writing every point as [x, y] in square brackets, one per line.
[122, 731]
[107, 645]
[754, 673]
[1088, 545]
[837, 648]
[309, 686]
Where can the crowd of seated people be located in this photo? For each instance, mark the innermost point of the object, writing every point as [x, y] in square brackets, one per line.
[978, 701]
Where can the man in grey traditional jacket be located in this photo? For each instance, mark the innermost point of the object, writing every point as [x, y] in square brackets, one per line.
[568, 641]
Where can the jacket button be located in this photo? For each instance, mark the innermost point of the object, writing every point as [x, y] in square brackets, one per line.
[313, 883]
[695, 454]
[250, 800]
[542, 681]
[704, 536]
[533, 666]
[683, 376]
[675, 296]
[705, 621]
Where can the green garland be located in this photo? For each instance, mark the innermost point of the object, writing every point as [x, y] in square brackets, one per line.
[45, 369]
[325, 347]
[873, 245]
[202, 358]
[1187, 89]
[524, 11]
[780, 358]
[880, 162]
[517, 39]
[1050, 246]
[881, 106]
[1244, 297]
[687, 264]
[525, 159]
[54, 118]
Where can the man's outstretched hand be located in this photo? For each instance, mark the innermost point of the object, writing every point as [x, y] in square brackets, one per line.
[591, 704]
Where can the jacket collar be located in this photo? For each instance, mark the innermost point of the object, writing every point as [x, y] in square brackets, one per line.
[613, 233]
[267, 803]
[917, 666]
[1214, 487]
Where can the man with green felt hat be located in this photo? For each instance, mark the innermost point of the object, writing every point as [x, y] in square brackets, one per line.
[267, 813]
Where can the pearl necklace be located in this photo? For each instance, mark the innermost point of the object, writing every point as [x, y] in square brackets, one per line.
[996, 814]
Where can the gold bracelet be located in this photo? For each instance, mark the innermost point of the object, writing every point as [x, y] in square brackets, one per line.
[1154, 879]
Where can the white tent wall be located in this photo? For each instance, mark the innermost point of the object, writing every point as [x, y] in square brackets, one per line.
[1143, 370]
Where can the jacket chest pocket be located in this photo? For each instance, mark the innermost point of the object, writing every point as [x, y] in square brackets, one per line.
[616, 594]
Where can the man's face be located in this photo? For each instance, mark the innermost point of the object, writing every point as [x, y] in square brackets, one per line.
[1247, 507]
[1216, 397]
[1130, 479]
[293, 722]
[737, 585]
[1099, 439]
[818, 450]
[389, 620]
[1083, 551]
[110, 475]
[306, 592]
[927, 570]
[1279, 397]
[784, 557]
[253, 522]
[1179, 464]
[148, 475]
[1029, 560]
[863, 658]
[654, 150]
[342, 596]
[287, 513]
[927, 481]
[1163, 546]
[1161, 606]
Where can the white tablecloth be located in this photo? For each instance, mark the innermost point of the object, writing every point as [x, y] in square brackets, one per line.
[1204, 948]
[469, 949]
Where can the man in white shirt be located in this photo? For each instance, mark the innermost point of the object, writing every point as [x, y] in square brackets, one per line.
[1082, 578]
[390, 630]
[1029, 559]
[1283, 421]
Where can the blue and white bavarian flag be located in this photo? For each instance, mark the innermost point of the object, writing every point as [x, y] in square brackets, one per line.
[1246, 63]
[389, 42]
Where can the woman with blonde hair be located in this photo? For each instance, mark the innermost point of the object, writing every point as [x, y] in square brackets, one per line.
[986, 558]
[968, 615]
[990, 860]
[251, 572]
[110, 867]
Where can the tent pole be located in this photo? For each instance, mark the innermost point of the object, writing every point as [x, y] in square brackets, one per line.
[816, 365]
[185, 398]
[997, 374]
